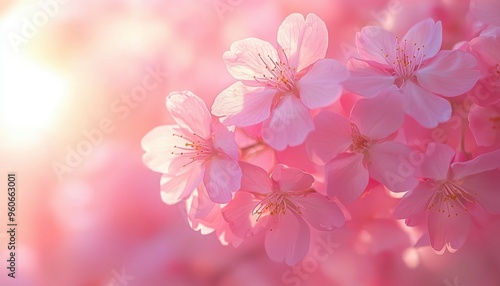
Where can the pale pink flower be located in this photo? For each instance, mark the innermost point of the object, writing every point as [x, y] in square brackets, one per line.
[449, 191]
[355, 150]
[195, 150]
[205, 216]
[416, 66]
[486, 11]
[279, 85]
[285, 206]
[486, 48]
[484, 123]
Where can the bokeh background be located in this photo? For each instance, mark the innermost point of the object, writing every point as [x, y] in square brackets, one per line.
[81, 82]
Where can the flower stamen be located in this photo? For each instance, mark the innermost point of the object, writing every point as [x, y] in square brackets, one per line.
[282, 76]
[195, 148]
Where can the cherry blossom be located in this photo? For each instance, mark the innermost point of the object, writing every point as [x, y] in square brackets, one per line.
[485, 49]
[486, 11]
[193, 151]
[278, 86]
[416, 66]
[205, 216]
[484, 123]
[355, 149]
[449, 192]
[283, 205]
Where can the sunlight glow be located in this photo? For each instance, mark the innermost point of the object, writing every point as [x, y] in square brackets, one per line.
[29, 96]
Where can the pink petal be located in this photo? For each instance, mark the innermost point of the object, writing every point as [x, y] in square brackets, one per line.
[375, 43]
[484, 123]
[222, 178]
[255, 179]
[201, 207]
[484, 187]
[436, 163]
[203, 215]
[346, 177]
[332, 135]
[482, 163]
[226, 236]
[289, 240]
[425, 35]
[427, 108]
[390, 166]
[320, 212]
[248, 58]
[243, 105]
[304, 41]
[159, 144]
[291, 179]
[486, 48]
[381, 116]
[289, 125]
[448, 230]
[190, 112]
[238, 213]
[178, 187]
[224, 141]
[486, 11]
[320, 86]
[449, 73]
[367, 78]
[415, 201]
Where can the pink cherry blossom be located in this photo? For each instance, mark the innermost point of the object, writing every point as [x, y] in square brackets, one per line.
[416, 66]
[484, 123]
[193, 151]
[486, 11]
[206, 216]
[285, 206]
[279, 85]
[355, 150]
[449, 192]
[485, 48]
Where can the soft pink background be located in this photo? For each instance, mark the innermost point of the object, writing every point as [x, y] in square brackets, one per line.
[105, 215]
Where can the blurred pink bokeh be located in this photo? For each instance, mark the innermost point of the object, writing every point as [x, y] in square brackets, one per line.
[69, 84]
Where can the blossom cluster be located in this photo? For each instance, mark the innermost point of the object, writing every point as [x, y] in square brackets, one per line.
[297, 138]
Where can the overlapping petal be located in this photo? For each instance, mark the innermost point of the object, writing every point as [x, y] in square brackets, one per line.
[243, 105]
[320, 86]
[289, 125]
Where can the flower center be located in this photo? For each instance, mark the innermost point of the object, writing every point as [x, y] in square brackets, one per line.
[281, 75]
[360, 143]
[494, 77]
[274, 205]
[271, 205]
[495, 122]
[408, 59]
[195, 148]
[449, 195]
